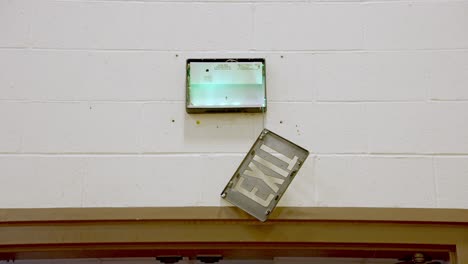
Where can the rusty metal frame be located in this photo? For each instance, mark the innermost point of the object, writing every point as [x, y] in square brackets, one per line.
[191, 231]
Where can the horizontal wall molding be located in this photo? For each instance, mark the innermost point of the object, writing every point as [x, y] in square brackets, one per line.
[191, 231]
[428, 215]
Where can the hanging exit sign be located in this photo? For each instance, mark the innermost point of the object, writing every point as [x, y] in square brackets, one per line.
[264, 174]
[225, 85]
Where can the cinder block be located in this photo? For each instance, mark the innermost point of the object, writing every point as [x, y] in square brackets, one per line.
[321, 128]
[415, 25]
[15, 81]
[220, 168]
[11, 127]
[14, 23]
[81, 127]
[400, 128]
[87, 25]
[197, 26]
[136, 25]
[438, 127]
[91, 75]
[449, 75]
[168, 128]
[35, 182]
[451, 174]
[449, 127]
[159, 180]
[308, 26]
[373, 76]
[291, 77]
[374, 181]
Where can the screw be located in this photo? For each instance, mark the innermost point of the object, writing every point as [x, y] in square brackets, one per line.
[267, 212]
[223, 195]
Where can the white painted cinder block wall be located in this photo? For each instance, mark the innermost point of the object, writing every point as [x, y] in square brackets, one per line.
[92, 101]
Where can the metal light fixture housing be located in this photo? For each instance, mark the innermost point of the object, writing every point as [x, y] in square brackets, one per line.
[226, 85]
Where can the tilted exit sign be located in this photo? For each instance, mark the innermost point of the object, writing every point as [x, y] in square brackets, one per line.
[264, 174]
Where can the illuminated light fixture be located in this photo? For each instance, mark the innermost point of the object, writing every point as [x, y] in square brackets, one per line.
[225, 85]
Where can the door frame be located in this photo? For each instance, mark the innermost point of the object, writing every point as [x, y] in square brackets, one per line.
[193, 231]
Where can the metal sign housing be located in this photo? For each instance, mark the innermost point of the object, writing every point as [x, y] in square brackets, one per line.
[264, 175]
[225, 85]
